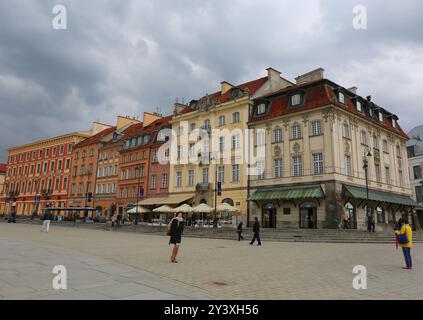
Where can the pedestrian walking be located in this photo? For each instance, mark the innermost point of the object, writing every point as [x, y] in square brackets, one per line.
[46, 222]
[240, 237]
[176, 230]
[371, 225]
[256, 230]
[114, 219]
[404, 236]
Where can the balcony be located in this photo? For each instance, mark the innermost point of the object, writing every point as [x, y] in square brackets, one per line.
[203, 187]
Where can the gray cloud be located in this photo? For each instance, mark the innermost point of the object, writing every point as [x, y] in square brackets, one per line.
[126, 57]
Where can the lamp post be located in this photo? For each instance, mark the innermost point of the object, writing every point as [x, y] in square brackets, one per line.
[138, 195]
[365, 167]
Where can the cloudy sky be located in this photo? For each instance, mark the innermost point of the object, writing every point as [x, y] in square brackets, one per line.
[129, 56]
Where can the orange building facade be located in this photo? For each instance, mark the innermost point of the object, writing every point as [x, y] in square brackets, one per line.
[38, 174]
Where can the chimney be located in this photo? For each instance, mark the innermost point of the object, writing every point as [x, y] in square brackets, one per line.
[273, 74]
[369, 98]
[353, 90]
[178, 108]
[124, 121]
[311, 76]
[225, 87]
[149, 118]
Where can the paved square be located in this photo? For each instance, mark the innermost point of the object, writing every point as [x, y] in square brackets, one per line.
[114, 265]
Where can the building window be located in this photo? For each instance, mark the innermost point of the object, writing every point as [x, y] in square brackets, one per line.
[296, 100]
[380, 116]
[359, 107]
[236, 142]
[316, 128]
[277, 135]
[261, 138]
[207, 125]
[156, 155]
[363, 137]
[260, 170]
[346, 131]
[341, 97]
[205, 175]
[278, 168]
[190, 178]
[164, 180]
[318, 163]
[417, 170]
[236, 117]
[222, 120]
[296, 131]
[153, 181]
[261, 109]
[387, 175]
[297, 166]
[179, 179]
[399, 151]
[375, 142]
[221, 174]
[235, 173]
[221, 144]
[347, 165]
[410, 152]
[385, 146]
[180, 152]
[419, 194]
[65, 184]
[377, 173]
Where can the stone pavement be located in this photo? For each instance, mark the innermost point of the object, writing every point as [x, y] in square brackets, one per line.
[113, 265]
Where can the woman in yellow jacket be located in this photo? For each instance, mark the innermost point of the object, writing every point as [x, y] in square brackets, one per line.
[405, 230]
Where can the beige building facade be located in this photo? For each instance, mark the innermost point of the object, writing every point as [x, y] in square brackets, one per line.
[209, 143]
[312, 143]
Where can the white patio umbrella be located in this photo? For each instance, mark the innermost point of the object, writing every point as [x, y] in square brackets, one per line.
[184, 209]
[163, 209]
[225, 207]
[138, 209]
[202, 208]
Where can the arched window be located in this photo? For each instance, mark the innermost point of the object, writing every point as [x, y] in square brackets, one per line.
[228, 201]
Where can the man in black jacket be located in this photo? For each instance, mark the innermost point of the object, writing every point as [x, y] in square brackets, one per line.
[256, 230]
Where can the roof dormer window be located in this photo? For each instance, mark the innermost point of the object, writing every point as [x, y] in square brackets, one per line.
[236, 93]
[380, 116]
[261, 109]
[341, 97]
[296, 99]
[359, 107]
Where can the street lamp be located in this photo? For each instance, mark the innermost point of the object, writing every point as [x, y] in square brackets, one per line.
[365, 167]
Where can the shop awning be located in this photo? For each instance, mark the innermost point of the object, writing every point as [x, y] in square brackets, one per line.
[172, 199]
[379, 196]
[288, 193]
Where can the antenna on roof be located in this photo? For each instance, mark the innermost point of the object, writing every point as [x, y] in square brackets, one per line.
[417, 138]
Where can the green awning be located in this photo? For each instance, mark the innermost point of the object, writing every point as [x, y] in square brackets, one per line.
[288, 193]
[379, 196]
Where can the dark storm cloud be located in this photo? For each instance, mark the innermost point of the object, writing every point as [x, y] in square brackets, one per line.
[126, 57]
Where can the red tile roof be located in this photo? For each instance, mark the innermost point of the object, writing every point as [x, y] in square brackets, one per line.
[319, 94]
[95, 138]
[2, 168]
[251, 86]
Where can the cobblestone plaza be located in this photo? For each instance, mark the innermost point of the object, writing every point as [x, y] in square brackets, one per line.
[115, 265]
